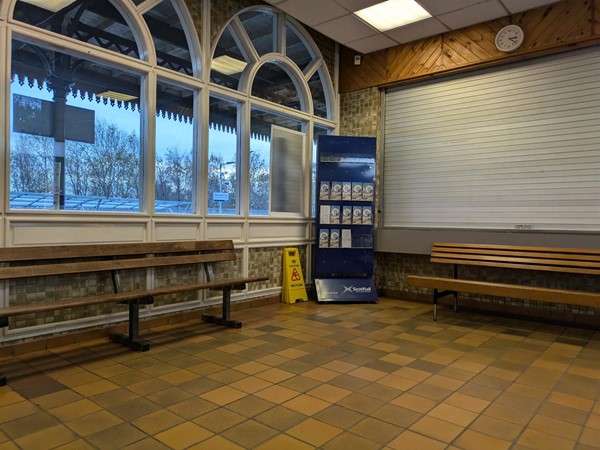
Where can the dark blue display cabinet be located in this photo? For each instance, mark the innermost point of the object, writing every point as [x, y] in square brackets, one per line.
[345, 206]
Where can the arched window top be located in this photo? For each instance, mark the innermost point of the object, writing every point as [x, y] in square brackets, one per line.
[260, 26]
[118, 26]
[170, 42]
[291, 66]
[274, 84]
[95, 22]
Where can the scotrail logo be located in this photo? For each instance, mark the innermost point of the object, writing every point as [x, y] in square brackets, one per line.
[357, 290]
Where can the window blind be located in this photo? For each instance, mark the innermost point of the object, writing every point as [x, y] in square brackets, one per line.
[514, 147]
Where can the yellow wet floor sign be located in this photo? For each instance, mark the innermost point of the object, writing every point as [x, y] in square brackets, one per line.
[293, 282]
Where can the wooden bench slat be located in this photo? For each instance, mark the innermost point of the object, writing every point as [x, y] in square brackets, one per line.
[520, 247]
[582, 298]
[515, 253]
[112, 264]
[584, 271]
[517, 260]
[16, 310]
[11, 254]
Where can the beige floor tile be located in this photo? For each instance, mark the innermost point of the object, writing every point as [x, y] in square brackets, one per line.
[117, 437]
[47, 438]
[367, 374]
[590, 436]
[555, 427]
[224, 395]
[280, 418]
[306, 404]
[157, 421]
[216, 442]
[314, 432]
[250, 433]
[473, 440]
[497, 428]
[16, 411]
[453, 414]
[376, 430]
[81, 444]
[321, 374]
[75, 410]
[437, 429]
[338, 416]
[329, 393]
[10, 397]
[251, 384]
[275, 375]
[411, 440]
[95, 387]
[183, 435]
[340, 366]
[277, 394]
[414, 402]
[347, 441]
[542, 441]
[192, 407]
[571, 401]
[92, 423]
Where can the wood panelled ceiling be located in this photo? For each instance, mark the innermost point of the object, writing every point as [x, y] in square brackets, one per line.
[562, 26]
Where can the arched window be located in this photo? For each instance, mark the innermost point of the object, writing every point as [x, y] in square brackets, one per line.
[82, 135]
[266, 56]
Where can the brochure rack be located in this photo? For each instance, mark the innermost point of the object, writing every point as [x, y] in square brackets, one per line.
[345, 202]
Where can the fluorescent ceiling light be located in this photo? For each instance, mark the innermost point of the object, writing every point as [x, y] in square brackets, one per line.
[393, 14]
[50, 5]
[228, 65]
[116, 96]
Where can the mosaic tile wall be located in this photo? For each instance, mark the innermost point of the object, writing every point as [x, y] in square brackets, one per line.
[169, 276]
[327, 48]
[269, 262]
[228, 269]
[223, 10]
[360, 115]
[32, 290]
[195, 9]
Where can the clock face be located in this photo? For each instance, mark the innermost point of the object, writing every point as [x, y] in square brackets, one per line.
[509, 38]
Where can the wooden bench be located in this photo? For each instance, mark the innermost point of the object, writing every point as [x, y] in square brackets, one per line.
[112, 261]
[564, 260]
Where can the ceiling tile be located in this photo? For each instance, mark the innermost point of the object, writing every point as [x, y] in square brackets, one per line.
[435, 7]
[312, 12]
[357, 5]
[372, 44]
[418, 30]
[471, 15]
[346, 29]
[516, 6]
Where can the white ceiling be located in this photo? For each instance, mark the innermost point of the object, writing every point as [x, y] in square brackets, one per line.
[334, 19]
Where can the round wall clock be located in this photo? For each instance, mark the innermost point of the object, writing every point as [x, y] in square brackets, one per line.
[509, 38]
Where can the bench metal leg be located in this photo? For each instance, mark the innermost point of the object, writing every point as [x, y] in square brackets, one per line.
[3, 323]
[133, 340]
[225, 320]
[437, 294]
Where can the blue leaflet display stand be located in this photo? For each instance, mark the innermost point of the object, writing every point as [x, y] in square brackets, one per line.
[345, 206]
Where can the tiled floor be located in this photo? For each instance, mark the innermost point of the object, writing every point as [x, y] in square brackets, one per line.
[306, 376]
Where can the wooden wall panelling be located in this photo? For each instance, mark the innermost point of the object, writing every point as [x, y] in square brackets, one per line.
[371, 71]
[415, 59]
[550, 29]
[596, 19]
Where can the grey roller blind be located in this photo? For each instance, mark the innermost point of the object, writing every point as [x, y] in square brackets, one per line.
[515, 147]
